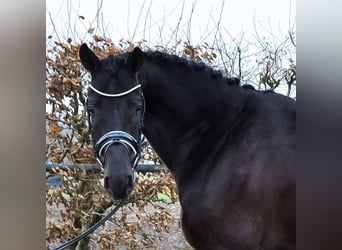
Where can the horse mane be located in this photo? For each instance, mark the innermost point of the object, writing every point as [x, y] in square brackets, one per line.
[196, 66]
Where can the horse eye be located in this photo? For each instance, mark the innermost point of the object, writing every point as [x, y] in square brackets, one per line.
[139, 108]
[90, 118]
[90, 112]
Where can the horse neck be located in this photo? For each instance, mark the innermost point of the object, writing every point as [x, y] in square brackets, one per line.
[182, 105]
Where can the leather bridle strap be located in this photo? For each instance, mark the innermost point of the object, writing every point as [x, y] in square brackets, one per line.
[117, 136]
[114, 95]
[100, 149]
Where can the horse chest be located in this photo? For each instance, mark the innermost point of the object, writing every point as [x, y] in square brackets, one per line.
[196, 228]
[201, 220]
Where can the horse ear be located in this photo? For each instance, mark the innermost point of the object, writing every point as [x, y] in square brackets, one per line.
[88, 59]
[135, 59]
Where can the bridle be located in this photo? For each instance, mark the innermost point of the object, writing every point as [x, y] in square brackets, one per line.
[131, 144]
[112, 137]
[100, 149]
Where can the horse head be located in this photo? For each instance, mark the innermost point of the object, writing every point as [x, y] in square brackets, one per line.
[115, 108]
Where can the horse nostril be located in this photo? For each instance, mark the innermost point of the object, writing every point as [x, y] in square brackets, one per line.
[130, 181]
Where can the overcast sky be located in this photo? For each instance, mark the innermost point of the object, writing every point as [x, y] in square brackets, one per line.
[195, 20]
[156, 20]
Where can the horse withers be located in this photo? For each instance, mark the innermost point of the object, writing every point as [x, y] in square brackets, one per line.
[230, 148]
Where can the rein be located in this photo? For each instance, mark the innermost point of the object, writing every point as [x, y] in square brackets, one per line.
[100, 149]
[91, 229]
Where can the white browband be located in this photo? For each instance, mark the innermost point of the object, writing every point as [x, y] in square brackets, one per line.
[114, 95]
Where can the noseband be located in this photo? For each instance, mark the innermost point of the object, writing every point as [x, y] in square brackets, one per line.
[130, 143]
[112, 137]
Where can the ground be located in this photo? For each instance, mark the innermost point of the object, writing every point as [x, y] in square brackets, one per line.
[151, 225]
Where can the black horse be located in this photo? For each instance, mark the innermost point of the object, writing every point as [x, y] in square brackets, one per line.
[230, 148]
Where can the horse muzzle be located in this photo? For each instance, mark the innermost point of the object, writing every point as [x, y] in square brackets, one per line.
[118, 153]
[119, 187]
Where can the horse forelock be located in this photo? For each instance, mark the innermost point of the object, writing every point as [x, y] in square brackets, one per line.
[113, 63]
